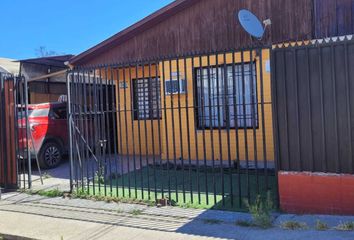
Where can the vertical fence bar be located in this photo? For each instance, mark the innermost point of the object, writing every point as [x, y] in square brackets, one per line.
[235, 89]
[348, 99]
[294, 54]
[211, 126]
[180, 127]
[136, 115]
[195, 108]
[188, 130]
[152, 114]
[228, 122]
[166, 130]
[218, 87]
[264, 140]
[334, 75]
[120, 151]
[146, 109]
[202, 123]
[244, 111]
[173, 128]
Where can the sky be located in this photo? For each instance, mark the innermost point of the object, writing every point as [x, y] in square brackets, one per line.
[65, 26]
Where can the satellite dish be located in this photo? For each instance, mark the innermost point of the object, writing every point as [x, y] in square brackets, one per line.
[251, 23]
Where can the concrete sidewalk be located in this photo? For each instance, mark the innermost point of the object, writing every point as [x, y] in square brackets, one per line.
[58, 218]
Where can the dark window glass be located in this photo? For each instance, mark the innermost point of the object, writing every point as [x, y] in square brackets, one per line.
[59, 113]
[217, 90]
[147, 100]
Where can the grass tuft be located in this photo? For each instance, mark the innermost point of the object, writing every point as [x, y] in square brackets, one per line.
[136, 212]
[293, 225]
[51, 193]
[345, 226]
[321, 226]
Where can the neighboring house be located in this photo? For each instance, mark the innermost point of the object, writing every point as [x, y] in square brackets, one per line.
[46, 77]
[9, 66]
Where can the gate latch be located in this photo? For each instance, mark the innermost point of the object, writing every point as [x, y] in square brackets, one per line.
[102, 142]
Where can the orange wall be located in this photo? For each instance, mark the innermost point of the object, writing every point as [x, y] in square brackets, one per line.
[181, 140]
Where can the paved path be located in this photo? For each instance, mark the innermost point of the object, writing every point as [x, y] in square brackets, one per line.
[58, 218]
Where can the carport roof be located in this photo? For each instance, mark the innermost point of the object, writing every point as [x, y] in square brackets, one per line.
[55, 61]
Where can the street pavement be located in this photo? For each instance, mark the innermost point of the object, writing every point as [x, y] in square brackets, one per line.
[38, 217]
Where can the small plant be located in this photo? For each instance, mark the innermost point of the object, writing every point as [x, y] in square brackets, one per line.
[243, 223]
[321, 226]
[293, 225]
[119, 210]
[212, 221]
[345, 226]
[136, 212]
[46, 175]
[51, 193]
[261, 211]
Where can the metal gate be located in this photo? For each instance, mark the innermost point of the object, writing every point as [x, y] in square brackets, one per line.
[15, 168]
[195, 129]
[314, 105]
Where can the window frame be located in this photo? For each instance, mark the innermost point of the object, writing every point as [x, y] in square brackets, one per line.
[136, 109]
[199, 126]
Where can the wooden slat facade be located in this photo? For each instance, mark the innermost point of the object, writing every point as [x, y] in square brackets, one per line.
[211, 25]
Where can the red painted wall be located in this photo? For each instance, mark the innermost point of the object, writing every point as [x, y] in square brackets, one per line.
[320, 193]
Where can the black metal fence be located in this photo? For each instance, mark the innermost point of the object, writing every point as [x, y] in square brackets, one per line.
[14, 170]
[194, 129]
[314, 105]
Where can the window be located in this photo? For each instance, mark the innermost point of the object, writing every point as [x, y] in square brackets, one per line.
[147, 100]
[59, 113]
[44, 112]
[217, 91]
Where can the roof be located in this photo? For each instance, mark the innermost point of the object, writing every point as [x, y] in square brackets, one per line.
[9, 66]
[55, 61]
[135, 29]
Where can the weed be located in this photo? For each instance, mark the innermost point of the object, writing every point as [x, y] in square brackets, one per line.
[51, 193]
[243, 223]
[261, 211]
[321, 226]
[212, 221]
[345, 226]
[46, 175]
[293, 225]
[136, 212]
[192, 205]
[119, 210]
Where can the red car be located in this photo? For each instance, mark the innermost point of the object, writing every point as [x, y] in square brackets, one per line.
[48, 138]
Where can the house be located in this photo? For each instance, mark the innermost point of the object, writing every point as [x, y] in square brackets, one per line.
[46, 77]
[9, 66]
[192, 87]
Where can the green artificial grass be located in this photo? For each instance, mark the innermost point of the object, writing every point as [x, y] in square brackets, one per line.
[188, 188]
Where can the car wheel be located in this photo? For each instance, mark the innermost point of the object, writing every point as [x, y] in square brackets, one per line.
[50, 155]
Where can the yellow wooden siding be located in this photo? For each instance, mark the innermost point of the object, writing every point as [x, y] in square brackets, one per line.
[173, 148]
[146, 144]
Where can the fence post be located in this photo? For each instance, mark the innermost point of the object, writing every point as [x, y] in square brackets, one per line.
[69, 117]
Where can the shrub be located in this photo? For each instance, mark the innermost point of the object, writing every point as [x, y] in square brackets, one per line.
[261, 211]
